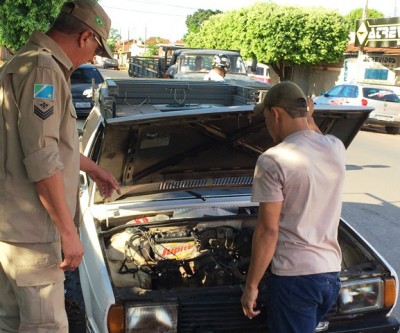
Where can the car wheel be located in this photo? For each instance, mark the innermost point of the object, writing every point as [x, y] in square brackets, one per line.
[391, 129]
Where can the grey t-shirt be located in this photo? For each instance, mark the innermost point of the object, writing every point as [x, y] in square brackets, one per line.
[306, 171]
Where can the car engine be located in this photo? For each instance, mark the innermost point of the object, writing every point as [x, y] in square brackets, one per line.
[176, 257]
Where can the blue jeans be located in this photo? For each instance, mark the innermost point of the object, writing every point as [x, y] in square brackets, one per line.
[296, 304]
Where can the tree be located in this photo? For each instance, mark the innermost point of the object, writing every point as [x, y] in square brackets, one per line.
[23, 17]
[113, 38]
[152, 45]
[357, 14]
[194, 22]
[279, 36]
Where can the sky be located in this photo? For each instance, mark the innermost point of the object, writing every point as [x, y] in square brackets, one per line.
[166, 18]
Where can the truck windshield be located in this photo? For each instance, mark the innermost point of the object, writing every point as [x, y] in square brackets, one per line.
[192, 63]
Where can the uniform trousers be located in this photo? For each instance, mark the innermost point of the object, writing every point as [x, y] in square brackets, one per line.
[31, 288]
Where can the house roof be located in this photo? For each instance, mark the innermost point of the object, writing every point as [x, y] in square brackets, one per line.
[381, 50]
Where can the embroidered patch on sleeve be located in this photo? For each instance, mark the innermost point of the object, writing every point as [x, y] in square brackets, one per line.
[43, 109]
[43, 91]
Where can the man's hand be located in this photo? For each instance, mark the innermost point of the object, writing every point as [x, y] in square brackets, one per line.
[310, 119]
[73, 251]
[105, 181]
[249, 303]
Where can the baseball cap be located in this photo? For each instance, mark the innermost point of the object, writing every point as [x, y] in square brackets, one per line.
[286, 95]
[94, 16]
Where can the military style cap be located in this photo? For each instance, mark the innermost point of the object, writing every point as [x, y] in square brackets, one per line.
[94, 16]
[286, 95]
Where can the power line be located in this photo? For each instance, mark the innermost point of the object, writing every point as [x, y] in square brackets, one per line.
[144, 11]
[163, 4]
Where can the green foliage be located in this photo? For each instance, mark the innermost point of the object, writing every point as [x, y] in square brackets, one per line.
[280, 36]
[357, 14]
[152, 45]
[194, 22]
[23, 17]
[113, 38]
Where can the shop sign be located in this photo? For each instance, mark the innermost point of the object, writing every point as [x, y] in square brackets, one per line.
[382, 32]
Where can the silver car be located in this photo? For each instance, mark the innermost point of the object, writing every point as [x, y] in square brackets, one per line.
[385, 102]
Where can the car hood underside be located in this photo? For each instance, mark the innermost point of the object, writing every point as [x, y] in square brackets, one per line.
[216, 147]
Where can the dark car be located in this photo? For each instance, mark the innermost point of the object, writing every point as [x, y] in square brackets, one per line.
[84, 80]
[111, 63]
[171, 252]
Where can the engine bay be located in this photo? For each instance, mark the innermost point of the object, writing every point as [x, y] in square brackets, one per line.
[194, 250]
[181, 256]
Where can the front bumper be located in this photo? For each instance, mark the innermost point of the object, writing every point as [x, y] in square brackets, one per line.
[365, 325]
[83, 107]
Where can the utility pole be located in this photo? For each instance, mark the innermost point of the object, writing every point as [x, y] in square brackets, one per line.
[360, 59]
[145, 37]
[364, 17]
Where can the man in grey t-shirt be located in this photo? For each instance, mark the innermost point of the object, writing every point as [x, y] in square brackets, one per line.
[298, 184]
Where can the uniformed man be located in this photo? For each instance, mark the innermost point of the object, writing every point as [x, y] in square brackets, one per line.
[39, 169]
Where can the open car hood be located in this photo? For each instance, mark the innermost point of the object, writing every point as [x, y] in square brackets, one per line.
[200, 148]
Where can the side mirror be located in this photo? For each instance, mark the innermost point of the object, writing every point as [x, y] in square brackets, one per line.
[323, 92]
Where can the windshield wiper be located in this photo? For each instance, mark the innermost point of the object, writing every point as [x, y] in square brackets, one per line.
[197, 195]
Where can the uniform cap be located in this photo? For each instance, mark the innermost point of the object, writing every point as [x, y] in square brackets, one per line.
[286, 95]
[94, 16]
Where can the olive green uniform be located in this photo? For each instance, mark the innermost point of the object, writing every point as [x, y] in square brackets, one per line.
[38, 138]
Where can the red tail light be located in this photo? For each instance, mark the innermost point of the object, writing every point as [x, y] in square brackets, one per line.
[364, 102]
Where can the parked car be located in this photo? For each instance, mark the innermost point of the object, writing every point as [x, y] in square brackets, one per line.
[84, 80]
[110, 63]
[385, 102]
[171, 252]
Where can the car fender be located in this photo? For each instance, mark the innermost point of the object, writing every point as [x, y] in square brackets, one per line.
[97, 290]
[379, 256]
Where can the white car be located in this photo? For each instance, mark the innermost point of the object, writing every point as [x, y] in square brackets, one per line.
[171, 253]
[385, 102]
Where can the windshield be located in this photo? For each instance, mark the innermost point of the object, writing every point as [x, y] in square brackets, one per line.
[348, 91]
[85, 75]
[196, 63]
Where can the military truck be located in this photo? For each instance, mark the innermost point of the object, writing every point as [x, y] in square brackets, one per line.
[119, 98]
[192, 64]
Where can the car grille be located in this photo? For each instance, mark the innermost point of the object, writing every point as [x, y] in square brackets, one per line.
[217, 314]
[197, 183]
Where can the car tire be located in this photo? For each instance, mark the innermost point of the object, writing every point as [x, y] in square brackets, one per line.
[391, 130]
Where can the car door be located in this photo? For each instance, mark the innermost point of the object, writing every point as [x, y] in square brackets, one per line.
[385, 102]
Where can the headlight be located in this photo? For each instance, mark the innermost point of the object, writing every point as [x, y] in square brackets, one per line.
[361, 296]
[88, 93]
[144, 318]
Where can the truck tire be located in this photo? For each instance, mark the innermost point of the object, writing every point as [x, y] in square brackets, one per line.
[391, 130]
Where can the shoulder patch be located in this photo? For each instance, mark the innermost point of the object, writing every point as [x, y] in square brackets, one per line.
[43, 109]
[43, 91]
